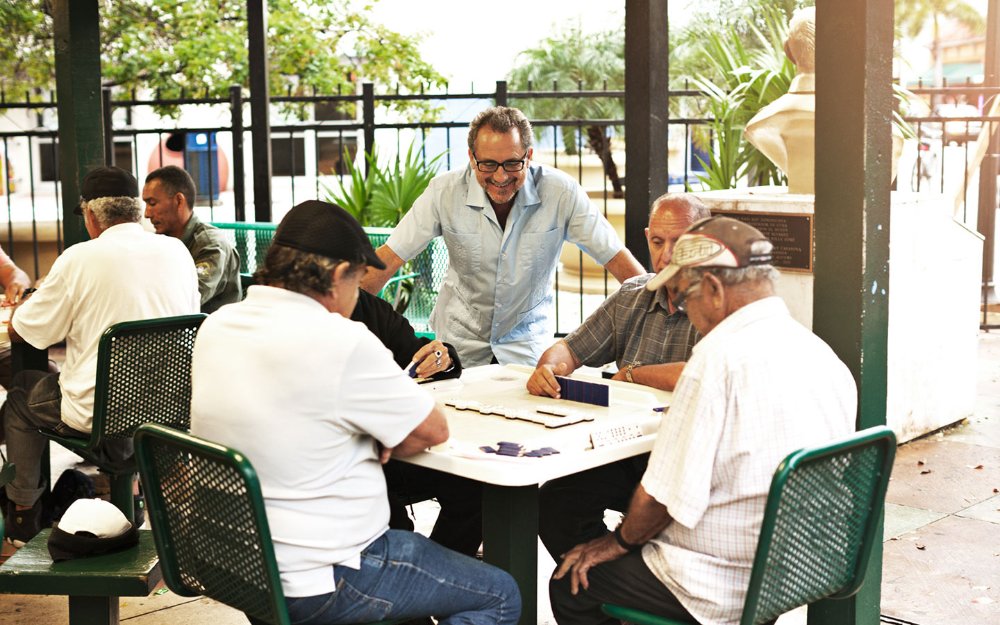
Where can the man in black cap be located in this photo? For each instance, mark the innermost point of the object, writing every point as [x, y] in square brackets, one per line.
[316, 403]
[122, 274]
[757, 387]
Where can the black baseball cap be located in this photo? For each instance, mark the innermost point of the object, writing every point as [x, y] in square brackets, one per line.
[328, 230]
[107, 182]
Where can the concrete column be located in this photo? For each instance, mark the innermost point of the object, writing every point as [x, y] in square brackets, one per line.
[78, 94]
[853, 164]
[646, 78]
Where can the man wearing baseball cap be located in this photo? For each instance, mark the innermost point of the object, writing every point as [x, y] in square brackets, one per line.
[123, 273]
[317, 404]
[758, 386]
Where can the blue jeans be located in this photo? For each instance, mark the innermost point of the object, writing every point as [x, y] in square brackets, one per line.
[406, 575]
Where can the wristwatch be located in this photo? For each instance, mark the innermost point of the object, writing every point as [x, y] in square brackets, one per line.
[627, 546]
[628, 370]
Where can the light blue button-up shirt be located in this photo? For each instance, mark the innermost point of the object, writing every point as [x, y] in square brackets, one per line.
[497, 298]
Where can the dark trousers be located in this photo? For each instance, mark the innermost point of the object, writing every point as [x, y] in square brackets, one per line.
[459, 525]
[626, 581]
[571, 509]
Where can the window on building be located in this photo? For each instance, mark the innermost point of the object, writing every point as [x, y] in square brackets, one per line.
[330, 152]
[288, 156]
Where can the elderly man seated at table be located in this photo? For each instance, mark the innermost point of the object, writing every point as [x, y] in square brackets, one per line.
[122, 274]
[317, 404]
[758, 386]
[650, 339]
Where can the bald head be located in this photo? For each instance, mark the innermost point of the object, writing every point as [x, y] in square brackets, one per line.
[670, 215]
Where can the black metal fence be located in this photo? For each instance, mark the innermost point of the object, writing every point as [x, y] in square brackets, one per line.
[211, 141]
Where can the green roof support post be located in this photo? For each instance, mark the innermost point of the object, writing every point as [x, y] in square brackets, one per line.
[78, 93]
[646, 116]
[853, 163]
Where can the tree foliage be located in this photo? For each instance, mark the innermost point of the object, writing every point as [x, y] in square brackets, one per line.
[915, 16]
[199, 47]
[570, 60]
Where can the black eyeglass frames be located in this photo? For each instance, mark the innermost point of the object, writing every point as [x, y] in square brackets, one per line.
[511, 166]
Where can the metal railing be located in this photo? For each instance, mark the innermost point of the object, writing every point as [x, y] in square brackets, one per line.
[308, 155]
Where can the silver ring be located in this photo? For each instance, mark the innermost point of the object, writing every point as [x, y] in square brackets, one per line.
[438, 362]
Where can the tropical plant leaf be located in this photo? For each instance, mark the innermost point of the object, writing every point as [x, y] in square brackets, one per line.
[398, 187]
[356, 195]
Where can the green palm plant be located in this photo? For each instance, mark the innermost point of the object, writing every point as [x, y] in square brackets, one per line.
[354, 195]
[750, 78]
[398, 186]
[378, 196]
[572, 59]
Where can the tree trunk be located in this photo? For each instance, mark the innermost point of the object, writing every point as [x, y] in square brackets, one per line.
[601, 145]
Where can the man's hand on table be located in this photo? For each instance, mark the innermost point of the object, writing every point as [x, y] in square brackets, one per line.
[431, 359]
[580, 559]
[14, 289]
[543, 380]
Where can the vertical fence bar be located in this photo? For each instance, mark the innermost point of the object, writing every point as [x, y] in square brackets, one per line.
[109, 133]
[368, 116]
[260, 109]
[986, 217]
[501, 97]
[239, 174]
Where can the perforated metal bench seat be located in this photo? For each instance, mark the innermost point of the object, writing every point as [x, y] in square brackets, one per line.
[92, 584]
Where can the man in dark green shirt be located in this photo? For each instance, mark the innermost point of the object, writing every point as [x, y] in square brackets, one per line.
[169, 194]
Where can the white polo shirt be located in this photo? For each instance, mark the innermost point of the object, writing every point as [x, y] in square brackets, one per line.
[305, 394]
[125, 274]
[758, 387]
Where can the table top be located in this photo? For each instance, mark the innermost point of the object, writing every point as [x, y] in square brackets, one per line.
[631, 405]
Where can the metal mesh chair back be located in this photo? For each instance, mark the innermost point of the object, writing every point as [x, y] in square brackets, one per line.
[429, 268]
[209, 522]
[822, 513]
[144, 375]
[250, 240]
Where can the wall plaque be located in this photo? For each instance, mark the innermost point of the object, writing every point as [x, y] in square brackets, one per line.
[791, 234]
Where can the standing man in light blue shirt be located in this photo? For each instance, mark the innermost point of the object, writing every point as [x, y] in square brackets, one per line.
[504, 220]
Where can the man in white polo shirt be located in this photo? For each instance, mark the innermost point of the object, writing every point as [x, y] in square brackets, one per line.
[317, 404]
[122, 274]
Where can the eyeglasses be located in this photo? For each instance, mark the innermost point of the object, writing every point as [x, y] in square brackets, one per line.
[510, 166]
[680, 299]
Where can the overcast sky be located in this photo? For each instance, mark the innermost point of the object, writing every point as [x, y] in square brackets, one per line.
[471, 41]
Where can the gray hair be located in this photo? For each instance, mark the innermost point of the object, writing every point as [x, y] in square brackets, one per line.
[501, 119]
[298, 271]
[110, 211]
[730, 276]
[694, 207]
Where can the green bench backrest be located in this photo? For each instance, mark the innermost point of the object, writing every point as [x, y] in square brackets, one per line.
[251, 241]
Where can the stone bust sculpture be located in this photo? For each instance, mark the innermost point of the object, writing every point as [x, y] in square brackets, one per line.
[785, 130]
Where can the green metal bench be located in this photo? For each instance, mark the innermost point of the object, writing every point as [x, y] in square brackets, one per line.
[143, 375]
[93, 584]
[822, 517]
[420, 279]
[209, 523]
